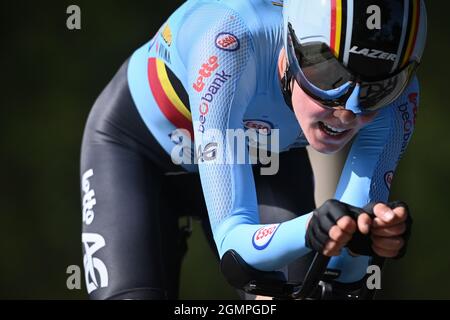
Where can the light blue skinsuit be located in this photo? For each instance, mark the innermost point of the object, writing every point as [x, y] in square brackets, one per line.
[225, 54]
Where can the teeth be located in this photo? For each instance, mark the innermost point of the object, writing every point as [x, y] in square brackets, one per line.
[332, 130]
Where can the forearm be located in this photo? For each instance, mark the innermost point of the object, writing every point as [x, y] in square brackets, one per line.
[264, 247]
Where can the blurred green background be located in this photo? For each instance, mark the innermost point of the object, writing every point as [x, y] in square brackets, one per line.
[51, 77]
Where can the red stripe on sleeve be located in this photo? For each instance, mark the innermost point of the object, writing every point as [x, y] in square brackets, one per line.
[164, 103]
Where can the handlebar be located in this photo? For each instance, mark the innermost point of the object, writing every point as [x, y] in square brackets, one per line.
[315, 285]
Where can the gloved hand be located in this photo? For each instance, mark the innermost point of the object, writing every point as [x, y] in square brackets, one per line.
[389, 233]
[333, 225]
[377, 229]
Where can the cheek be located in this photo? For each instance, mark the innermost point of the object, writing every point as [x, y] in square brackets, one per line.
[306, 109]
[372, 116]
[367, 118]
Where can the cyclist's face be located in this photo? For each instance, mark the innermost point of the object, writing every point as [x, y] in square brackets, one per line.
[327, 131]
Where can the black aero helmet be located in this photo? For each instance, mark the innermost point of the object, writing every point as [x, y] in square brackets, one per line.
[332, 44]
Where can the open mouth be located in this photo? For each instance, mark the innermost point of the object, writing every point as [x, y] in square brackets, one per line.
[332, 131]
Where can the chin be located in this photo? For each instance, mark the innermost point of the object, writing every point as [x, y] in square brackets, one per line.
[328, 145]
[326, 148]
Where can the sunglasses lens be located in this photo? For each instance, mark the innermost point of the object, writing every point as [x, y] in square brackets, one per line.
[321, 68]
[322, 76]
[375, 95]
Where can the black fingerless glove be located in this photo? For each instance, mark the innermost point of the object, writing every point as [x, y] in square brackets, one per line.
[409, 221]
[324, 218]
[362, 244]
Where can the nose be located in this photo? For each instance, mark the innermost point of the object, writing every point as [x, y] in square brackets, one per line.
[344, 115]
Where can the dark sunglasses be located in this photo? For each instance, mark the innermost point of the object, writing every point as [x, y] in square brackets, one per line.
[323, 77]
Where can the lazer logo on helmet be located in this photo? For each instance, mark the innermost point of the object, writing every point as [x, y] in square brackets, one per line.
[263, 236]
[373, 53]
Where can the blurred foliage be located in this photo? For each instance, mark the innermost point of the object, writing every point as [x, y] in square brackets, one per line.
[51, 77]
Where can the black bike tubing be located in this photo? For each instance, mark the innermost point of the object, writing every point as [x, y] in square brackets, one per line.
[313, 276]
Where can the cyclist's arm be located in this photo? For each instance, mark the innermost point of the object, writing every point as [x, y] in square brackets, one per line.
[371, 165]
[229, 189]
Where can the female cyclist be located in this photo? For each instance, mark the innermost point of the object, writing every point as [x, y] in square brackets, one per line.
[159, 141]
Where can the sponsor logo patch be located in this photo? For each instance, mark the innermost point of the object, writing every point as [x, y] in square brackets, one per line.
[163, 53]
[166, 34]
[95, 270]
[205, 72]
[408, 125]
[208, 153]
[373, 54]
[227, 42]
[263, 127]
[388, 177]
[264, 235]
[218, 80]
[413, 100]
[89, 200]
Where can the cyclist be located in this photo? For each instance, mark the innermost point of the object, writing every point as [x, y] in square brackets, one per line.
[303, 72]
